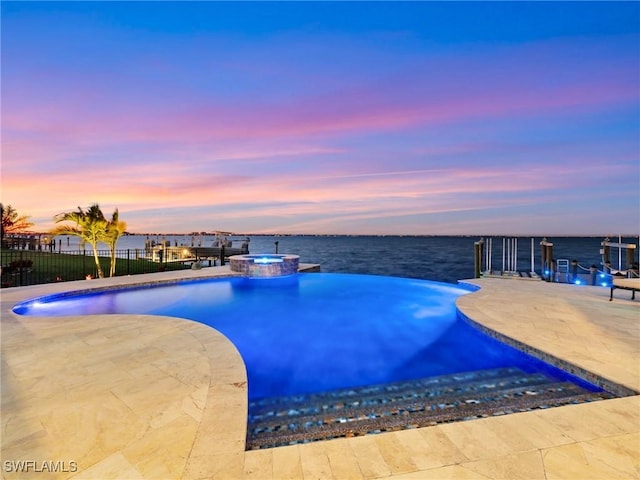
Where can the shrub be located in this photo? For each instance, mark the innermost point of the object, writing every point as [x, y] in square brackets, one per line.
[17, 265]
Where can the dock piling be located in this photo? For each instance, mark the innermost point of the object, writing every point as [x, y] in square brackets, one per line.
[478, 253]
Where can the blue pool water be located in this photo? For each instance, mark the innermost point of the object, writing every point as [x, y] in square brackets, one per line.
[316, 332]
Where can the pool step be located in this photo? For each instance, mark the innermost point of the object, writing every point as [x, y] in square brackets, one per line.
[389, 407]
[386, 393]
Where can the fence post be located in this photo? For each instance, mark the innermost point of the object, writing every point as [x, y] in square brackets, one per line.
[222, 255]
[20, 277]
[128, 261]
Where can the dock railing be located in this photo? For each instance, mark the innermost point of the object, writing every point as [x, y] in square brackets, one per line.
[551, 269]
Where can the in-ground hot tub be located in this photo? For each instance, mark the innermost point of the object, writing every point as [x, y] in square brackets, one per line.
[265, 265]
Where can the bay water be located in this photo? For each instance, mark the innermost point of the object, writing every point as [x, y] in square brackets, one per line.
[438, 258]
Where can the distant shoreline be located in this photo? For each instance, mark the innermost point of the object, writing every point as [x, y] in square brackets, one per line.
[382, 235]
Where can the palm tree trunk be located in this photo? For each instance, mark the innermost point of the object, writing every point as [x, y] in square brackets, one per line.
[95, 256]
[112, 270]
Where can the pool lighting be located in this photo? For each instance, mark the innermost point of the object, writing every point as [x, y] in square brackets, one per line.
[266, 260]
[578, 282]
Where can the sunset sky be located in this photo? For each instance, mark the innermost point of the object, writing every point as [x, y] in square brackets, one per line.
[334, 118]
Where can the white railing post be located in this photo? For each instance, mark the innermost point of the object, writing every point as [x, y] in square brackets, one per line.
[533, 269]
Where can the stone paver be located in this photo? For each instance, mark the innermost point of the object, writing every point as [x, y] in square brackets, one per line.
[137, 396]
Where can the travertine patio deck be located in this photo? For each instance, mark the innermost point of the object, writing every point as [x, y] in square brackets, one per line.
[158, 397]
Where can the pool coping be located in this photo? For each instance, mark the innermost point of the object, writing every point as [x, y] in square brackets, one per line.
[489, 287]
[617, 389]
[219, 451]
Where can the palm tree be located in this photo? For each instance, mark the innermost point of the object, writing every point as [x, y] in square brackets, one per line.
[12, 221]
[115, 229]
[90, 226]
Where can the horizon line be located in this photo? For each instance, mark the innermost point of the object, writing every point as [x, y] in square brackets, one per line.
[257, 234]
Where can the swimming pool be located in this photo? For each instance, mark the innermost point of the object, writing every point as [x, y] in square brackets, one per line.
[327, 337]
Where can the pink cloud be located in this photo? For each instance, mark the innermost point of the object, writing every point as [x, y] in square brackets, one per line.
[361, 145]
[289, 195]
[524, 80]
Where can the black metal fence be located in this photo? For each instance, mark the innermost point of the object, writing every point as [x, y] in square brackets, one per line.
[23, 266]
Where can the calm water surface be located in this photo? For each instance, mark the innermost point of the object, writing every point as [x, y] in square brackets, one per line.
[439, 258]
